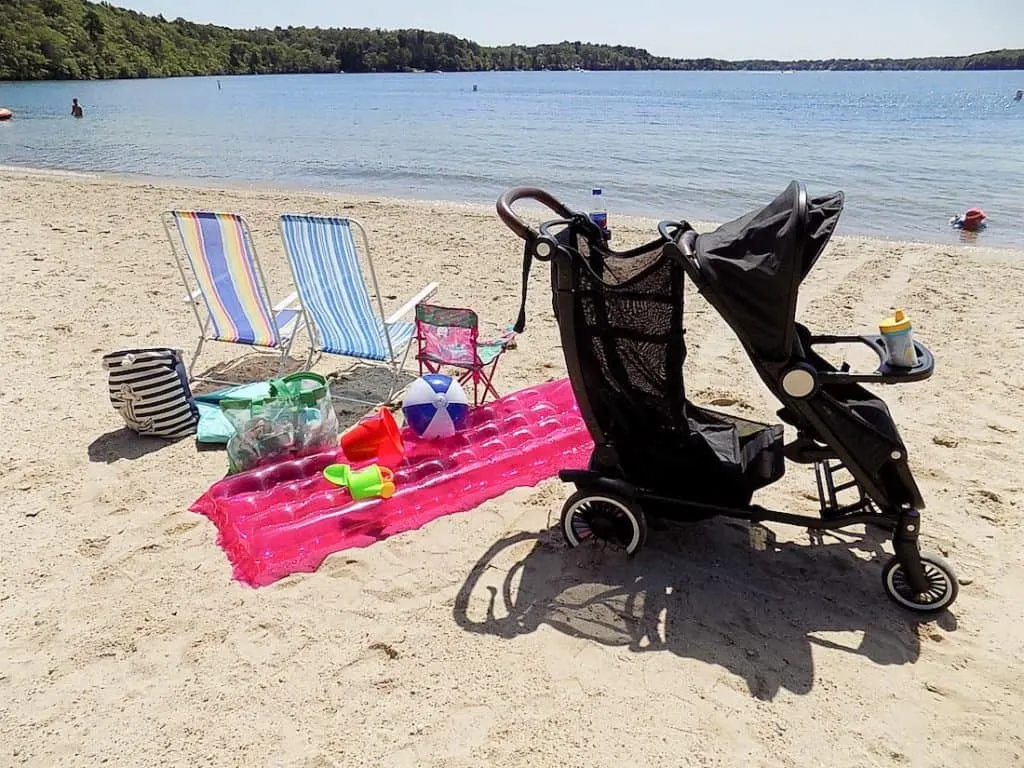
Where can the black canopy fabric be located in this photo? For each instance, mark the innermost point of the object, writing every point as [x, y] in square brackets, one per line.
[753, 266]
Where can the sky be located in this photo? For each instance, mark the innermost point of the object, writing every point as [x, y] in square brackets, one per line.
[727, 29]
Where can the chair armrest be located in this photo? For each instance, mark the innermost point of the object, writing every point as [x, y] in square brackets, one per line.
[288, 302]
[410, 305]
[505, 341]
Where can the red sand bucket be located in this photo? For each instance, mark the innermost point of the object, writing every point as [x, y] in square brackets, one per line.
[375, 436]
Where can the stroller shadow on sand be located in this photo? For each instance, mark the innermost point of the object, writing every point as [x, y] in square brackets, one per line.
[700, 592]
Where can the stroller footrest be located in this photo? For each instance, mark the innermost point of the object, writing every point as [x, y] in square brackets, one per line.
[578, 476]
[806, 450]
[588, 478]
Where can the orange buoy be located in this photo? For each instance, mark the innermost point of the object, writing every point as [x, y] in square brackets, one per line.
[5, 114]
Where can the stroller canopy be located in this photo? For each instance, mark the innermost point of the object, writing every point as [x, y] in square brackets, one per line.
[752, 267]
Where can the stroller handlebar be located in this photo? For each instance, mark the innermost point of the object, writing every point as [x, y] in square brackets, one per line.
[685, 239]
[515, 223]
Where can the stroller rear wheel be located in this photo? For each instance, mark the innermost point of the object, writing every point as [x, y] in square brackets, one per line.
[943, 586]
[604, 517]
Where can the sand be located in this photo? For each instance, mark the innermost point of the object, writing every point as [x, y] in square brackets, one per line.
[479, 640]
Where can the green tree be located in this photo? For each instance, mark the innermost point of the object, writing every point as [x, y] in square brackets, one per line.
[48, 39]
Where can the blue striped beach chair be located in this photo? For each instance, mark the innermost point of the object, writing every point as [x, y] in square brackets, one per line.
[343, 317]
[227, 289]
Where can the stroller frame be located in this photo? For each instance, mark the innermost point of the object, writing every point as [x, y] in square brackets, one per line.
[821, 402]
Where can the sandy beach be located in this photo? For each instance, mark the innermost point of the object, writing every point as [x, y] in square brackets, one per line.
[479, 640]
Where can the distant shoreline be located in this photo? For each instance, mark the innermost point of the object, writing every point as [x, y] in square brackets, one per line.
[475, 207]
[484, 73]
[787, 68]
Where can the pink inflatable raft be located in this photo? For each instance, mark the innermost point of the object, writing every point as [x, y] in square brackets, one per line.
[286, 518]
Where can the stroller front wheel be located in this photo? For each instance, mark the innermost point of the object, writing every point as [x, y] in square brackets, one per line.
[943, 586]
[604, 517]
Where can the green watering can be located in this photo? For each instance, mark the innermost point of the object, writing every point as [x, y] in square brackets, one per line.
[366, 483]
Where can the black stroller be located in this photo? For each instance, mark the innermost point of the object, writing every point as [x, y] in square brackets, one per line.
[620, 316]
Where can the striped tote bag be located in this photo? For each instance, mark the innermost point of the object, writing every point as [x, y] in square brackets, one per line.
[149, 388]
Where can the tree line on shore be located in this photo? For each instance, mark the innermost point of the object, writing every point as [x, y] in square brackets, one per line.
[81, 40]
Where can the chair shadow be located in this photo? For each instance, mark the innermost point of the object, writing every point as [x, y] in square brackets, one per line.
[250, 367]
[124, 444]
[365, 382]
[698, 591]
[362, 381]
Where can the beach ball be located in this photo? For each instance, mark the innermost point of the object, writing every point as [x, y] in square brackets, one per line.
[435, 406]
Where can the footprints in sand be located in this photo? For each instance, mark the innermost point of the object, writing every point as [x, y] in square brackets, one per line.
[448, 737]
[834, 294]
[387, 649]
[717, 398]
[116, 550]
[343, 566]
[93, 547]
[184, 526]
[989, 506]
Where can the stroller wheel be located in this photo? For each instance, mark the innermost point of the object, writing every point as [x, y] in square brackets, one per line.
[943, 586]
[603, 517]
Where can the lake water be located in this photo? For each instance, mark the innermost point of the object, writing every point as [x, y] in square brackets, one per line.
[910, 149]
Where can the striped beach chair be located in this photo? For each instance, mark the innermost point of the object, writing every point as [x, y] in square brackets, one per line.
[343, 317]
[227, 289]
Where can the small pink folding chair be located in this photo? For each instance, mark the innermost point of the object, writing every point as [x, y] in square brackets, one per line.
[449, 336]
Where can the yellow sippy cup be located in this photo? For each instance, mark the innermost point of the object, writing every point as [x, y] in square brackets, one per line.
[898, 336]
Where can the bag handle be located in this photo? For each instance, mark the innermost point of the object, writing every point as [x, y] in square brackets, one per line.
[279, 387]
[297, 378]
[291, 386]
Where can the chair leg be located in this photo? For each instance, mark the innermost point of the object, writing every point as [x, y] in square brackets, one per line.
[195, 357]
[464, 377]
[396, 372]
[405, 358]
[316, 349]
[309, 335]
[488, 379]
[199, 347]
[286, 351]
[391, 389]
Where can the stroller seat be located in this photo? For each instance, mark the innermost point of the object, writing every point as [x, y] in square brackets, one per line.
[725, 457]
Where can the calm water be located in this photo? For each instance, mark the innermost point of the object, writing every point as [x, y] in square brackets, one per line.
[910, 149]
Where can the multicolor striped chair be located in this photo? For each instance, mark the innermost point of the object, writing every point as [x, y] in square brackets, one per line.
[230, 296]
[343, 317]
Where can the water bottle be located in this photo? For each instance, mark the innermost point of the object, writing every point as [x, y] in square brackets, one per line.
[598, 213]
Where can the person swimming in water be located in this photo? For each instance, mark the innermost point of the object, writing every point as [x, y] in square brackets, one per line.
[76, 108]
